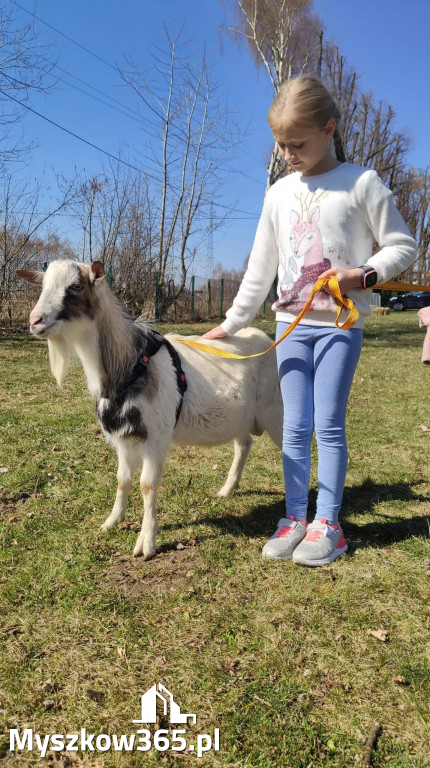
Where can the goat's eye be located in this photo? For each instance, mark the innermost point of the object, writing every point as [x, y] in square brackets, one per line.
[76, 287]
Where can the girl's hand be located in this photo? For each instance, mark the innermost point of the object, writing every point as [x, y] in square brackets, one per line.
[215, 333]
[347, 278]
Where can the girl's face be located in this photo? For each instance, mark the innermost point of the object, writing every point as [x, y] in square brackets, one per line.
[307, 149]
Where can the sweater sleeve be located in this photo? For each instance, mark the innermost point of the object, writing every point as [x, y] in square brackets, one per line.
[398, 249]
[259, 276]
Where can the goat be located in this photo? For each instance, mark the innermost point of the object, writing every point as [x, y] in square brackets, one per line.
[138, 378]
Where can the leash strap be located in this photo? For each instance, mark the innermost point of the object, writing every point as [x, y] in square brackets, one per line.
[328, 284]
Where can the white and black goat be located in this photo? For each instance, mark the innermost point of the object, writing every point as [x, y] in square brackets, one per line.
[151, 391]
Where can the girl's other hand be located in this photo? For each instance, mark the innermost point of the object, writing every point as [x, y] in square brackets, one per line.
[347, 278]
[215, 333]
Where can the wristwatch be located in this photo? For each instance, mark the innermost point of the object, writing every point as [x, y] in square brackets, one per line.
[369, 276]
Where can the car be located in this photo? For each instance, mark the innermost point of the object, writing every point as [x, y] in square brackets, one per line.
[410, 300]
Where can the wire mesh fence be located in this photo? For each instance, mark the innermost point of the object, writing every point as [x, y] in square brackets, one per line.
[201, 299]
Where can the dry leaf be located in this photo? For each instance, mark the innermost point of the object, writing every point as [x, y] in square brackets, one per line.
[4, 469]
[180, 546]
[424, 428]
[380, 634]
[400, 680]
[231, 666]
[262, 701]
[48, 704]
[121, 652]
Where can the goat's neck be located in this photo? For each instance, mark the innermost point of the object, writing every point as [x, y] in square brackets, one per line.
[107, 349]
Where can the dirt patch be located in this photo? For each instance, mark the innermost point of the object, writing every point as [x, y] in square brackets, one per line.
[10, 505]
[166, 572]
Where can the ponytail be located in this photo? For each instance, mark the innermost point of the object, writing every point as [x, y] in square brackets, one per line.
[338, 145]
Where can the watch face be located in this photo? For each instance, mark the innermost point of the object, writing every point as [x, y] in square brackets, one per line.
[371, 278]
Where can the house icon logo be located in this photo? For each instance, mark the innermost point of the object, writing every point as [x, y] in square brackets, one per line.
[148, 703]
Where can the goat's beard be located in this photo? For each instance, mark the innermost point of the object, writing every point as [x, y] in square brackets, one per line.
[60, 355]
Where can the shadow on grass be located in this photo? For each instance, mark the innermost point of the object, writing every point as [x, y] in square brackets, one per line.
[358, 500]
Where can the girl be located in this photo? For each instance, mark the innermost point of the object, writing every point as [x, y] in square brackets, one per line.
[317, 222]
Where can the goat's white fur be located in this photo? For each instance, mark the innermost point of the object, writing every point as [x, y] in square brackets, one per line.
[225, 399]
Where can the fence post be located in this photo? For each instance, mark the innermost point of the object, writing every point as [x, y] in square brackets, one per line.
[109, 276]
[156, 298]
[221, 301]
[264, 307]
[209, 298]
[193, 280]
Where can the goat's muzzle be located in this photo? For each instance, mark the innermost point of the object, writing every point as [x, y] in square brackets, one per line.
[38, 327]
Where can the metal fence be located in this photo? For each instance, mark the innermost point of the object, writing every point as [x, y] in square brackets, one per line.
[201, 299]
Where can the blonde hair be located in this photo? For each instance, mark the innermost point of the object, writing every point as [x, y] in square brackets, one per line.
[306, 102]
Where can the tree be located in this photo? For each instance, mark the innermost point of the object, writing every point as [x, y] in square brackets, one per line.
[21, 222]
[24, 67]
[189, 136]
[114, 213]
[282, 36]
[414, 204]
[368, 127]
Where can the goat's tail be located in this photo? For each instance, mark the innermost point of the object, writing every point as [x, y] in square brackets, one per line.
[60, 355]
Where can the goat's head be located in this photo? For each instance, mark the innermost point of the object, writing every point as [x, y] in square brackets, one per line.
[68, 295]
[69, 298]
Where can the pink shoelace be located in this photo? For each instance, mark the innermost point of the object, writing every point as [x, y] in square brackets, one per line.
[285, 530]
[314, 534]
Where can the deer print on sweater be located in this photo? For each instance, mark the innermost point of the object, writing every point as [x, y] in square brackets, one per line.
[307, 248]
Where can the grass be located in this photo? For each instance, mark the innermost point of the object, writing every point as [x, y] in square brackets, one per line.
[278, 657]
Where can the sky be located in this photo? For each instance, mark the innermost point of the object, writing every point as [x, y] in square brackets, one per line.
[385, 41]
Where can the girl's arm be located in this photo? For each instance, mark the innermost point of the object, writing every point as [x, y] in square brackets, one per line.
[398, 249]
[259, 276]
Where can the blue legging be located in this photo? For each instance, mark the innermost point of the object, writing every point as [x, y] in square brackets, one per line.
[316, 368]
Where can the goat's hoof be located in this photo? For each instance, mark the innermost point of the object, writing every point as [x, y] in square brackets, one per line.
[138, 552]
[225, 491]
[110, 523]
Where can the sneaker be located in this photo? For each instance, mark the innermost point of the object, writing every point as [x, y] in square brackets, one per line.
[288, 535]
[322, 544]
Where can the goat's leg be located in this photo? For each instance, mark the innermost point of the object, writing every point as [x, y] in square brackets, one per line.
[241, 451]
[129, 457]
[154, 457]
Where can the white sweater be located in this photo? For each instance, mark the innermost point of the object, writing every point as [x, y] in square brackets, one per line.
[311, 223]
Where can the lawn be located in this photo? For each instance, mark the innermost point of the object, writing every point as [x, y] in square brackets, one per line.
[279, 658]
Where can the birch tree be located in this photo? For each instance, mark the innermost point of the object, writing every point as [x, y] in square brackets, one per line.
[282, 37]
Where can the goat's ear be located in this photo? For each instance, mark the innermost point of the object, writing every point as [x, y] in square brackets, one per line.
[97, 272]
[30, 275]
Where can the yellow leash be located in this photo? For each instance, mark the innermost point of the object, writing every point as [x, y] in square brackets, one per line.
[330, 283]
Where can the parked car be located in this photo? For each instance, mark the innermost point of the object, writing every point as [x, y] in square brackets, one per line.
[411, 300]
